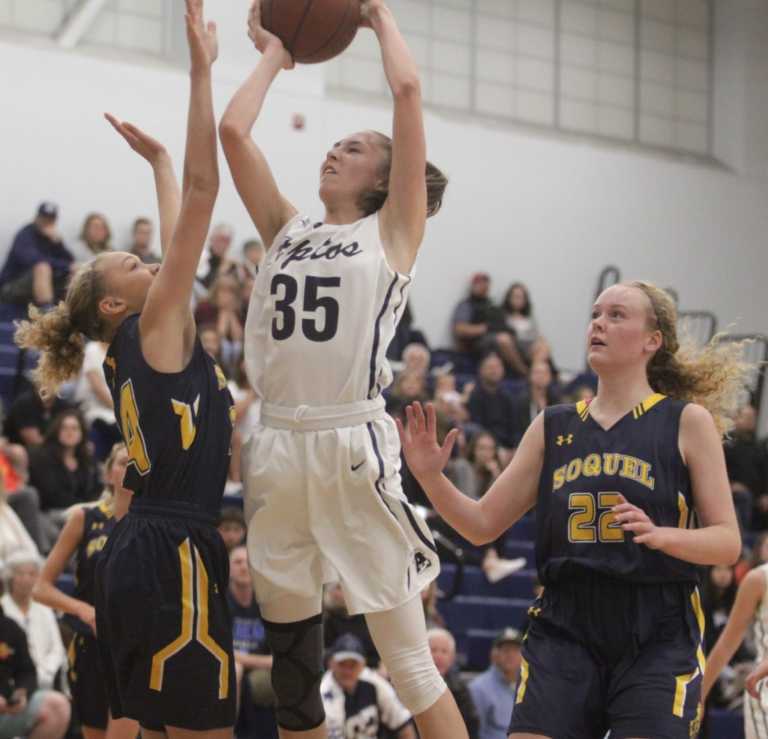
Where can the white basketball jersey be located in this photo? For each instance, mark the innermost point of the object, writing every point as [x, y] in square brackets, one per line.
[324, 308]
[760, 624]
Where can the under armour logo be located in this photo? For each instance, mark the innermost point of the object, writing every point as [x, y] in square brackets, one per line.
[564, 439]
[422, 563]
[534, 612]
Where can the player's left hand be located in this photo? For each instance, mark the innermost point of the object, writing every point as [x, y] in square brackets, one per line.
[201, 36]
[636, 521]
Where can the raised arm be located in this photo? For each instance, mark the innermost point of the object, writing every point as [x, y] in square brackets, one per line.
[166, 323]
[168, 194]
[404, 214]
[508, 499]
[45, 590]
[254, 180]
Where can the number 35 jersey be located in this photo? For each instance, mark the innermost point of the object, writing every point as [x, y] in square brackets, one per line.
[177, 426]
[324, 308]
[586, 468]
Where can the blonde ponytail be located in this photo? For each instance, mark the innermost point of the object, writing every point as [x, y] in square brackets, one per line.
[714, 376]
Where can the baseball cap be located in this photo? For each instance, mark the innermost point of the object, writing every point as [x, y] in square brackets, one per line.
[508, 636]
[348, 646]
[48, 209]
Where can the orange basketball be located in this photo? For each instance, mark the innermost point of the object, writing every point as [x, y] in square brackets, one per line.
[312, 30]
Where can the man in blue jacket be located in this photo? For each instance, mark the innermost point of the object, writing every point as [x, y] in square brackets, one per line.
[39, 264]
[494, 690]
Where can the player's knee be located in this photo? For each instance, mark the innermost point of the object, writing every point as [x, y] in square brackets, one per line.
[55, 712]
[297, 669]
[416, 680]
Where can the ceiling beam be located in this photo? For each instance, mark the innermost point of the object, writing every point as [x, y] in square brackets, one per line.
[78, 23]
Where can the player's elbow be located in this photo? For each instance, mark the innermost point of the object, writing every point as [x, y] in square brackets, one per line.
[408, 88]
[230, 134]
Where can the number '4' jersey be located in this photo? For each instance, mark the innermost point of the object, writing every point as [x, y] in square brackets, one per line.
[177, 426]
[585, 470]
[324, 308]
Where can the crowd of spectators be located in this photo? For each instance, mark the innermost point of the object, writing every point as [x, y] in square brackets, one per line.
[497, 375]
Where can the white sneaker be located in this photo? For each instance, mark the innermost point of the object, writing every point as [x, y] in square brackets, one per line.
[496, 570]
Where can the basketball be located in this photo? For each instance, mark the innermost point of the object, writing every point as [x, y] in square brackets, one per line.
[312, 30]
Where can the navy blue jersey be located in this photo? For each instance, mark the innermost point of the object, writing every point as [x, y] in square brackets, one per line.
[586, 468]
[99, 522]
[177, 426]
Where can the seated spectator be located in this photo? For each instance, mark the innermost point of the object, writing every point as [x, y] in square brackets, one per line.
[95, 238]
[30, 416]
[405, 335]
[253, 662]
[26, 711]
[214, 262]
[491, 406]
[358, 702]
[443, 648]
[407, 387]
[23, 499]
[38, 621]
[479, 327]
[518, 316]
[231, 526]
[416, 359]
[38, 265]
[247, 411]
[211, 341]
[253, 255]
[494, 690]
[62, 468]
[14, 537]
[222, 310]
[539, 394]
[141, 241]
[747, 465]
[449, 402]
[95, 400]
[485, 464]
[337, 622]
[432, 617]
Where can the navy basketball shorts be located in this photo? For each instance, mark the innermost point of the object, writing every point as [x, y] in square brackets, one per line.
[163, 624]
[603, 654]
[86, 682]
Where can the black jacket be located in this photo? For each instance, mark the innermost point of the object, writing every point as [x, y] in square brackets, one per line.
[16, 667]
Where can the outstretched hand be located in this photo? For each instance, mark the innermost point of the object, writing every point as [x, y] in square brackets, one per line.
[201, 36]
[143, 144]
[263, 39]
[423, 454]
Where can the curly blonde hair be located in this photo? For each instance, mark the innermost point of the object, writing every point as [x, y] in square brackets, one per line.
[714, 376]
[60, 333]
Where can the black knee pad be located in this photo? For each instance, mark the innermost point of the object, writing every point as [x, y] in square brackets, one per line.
[297, 650]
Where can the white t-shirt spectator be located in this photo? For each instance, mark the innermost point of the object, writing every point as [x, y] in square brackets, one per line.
[360, 715]
[13, 535]
[43, 637]
[91, 405]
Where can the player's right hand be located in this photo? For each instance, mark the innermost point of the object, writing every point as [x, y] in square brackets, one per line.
[425, 457]
[87, 615]
[262, 39]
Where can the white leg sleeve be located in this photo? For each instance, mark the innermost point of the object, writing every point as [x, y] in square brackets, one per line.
[400, 635]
